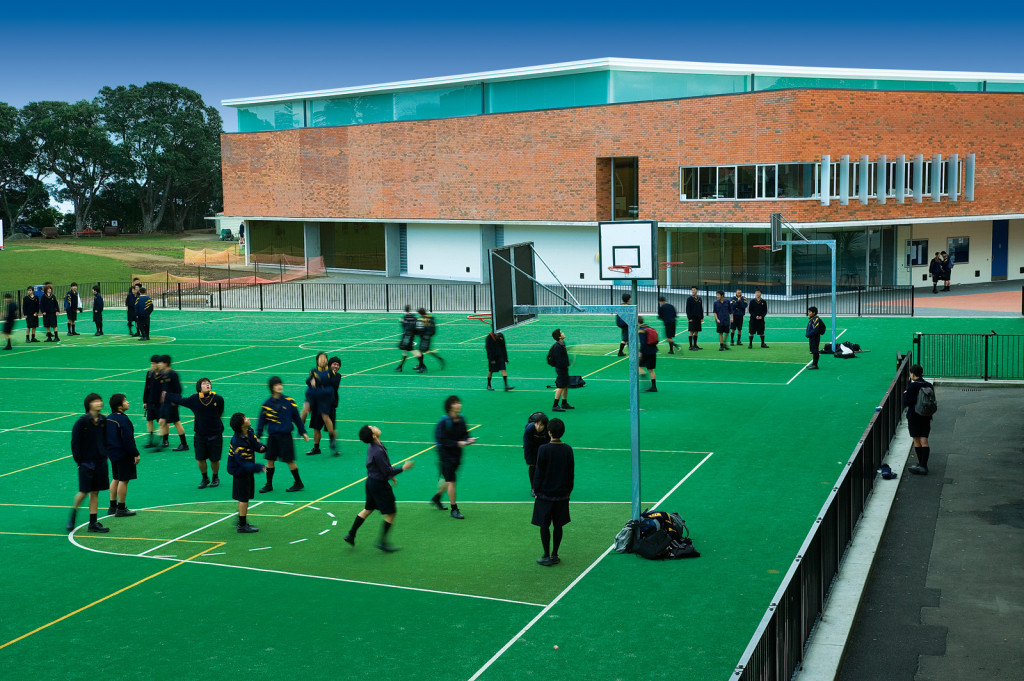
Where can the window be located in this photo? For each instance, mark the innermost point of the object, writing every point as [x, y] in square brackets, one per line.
[959, 249]
[796, 180]
[726, 182]
[917, 252]
[766, 182]
[746, 182]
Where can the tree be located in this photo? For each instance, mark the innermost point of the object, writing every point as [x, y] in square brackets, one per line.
[168, 139]
[21, 188]
[74, 147]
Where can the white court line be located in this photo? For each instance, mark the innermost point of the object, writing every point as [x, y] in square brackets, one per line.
[262, 548]
[327, 530]
[291, 542]
[219, 553]
[576, 581]
[219, 520]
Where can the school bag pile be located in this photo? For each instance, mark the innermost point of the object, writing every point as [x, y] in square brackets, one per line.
[657, 535]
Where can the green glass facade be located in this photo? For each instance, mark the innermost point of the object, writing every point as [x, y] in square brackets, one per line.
[353, 245]
[269, 238]
[780, 83]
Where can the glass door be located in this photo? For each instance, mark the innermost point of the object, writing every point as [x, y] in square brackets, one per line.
[625, 202]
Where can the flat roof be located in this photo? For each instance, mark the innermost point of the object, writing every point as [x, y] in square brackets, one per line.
[647, 65]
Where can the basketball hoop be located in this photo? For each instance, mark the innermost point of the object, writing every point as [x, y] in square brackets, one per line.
[482, 317]
[763, 247]
[666, 265]
[622, 269]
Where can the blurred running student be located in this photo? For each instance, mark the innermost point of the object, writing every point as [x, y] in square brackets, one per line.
[497, 358]
[405, 344]
[169, 384]
[50, 306]
[623, 326]
[317, 422]
[667, 314]
[278, 415]
[720, 308]
[694, 317]
[451, 435]
[72, 306]
[143, 313]
[918, 425]
[535, 435]
[380, 478]
[426, 327]
[10, 315]
[129, 303]
[815, 330]
[151, 399]
[89, 450]
[242, 467]
[737, 310]
[30, 308]
[758, 311]
[97, 310]
[123, 454]
[552, 485]
[648, 352]
[208, 438]
[558, 357]
[935, 268]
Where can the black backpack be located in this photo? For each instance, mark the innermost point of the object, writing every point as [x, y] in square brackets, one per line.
[551, 356]
[926, 404]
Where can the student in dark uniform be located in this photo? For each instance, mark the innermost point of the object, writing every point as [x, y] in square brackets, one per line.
[380, 478]
[208, 438]
[321, 387]
[758, 311]
[405, 344]
[97, 309]
[558, 357]
[720, 308]
[72, 306]
[648, 354]
[151, 399]
[277, 415]
[129, 303]
[694, 317]
[426, 328]
[552, 485]
[737, 310]
[143, 313]
[815, 330]
[535, 435]
[623, 326]
[947, 269]
[242, 468]
[10, 315]
[935, 269]
[89, 450]
[451, 435]
[123, 454]
[170, 384]
[328, 406]
[918, 425]
[49, 305]
[30, 308]
[497, 358]
[667, 314]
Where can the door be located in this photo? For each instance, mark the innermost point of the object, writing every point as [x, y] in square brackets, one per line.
[1000, 244]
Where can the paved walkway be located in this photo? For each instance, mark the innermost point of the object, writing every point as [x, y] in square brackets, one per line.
[994, 299]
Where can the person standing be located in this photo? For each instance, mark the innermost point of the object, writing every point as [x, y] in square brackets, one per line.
[72, 306]
[947, 270]
[278, 415]
[330, 404]
[10, 315]
[738, 309]
[919, 425]
[89, 450]
[123, 454]
[97, 309]
[497, 358]
[170, 384]
[694, 317]
[30, 308]
[380, 478]
[426, 327]
[320, 394]
[405, 344]
[143, 313]
[667, 314]
[50, 306]
[151, 399]
[758, 311]
[935, 269]
[451, 435]
[535, 435]
[720, 309]
[815, 330]
[648, 341]
[242, 468]
[552, 486]
[623, 326]
[129, 303]
[558, 357]
[208, 438]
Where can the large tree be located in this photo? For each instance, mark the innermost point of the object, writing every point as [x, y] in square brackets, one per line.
[21, 189]
[168, 140]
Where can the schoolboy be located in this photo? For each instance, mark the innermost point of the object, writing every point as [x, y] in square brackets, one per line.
[694, 317]
[737, 310]
[552, 486]
[170, 384]
[320, 392]
[89, 450]
[451, 435]
[10, 315]
[278, 414]
[426, 328]
[497, 358]
[72, 306]
[405, 344]
[330, 405]
[129, 303]
[648, 354]
[758, 311]
[720, 308]
[667, 314]
[558, 357]
[123, 454]
[242, 468]
[97, 310]
[151, 399]
[30, 308]
[623, 326]
[535, 435]
[143, 313]
[815, 329]
[49, 307]
[919, 426]
[380, 478]
[208, 427]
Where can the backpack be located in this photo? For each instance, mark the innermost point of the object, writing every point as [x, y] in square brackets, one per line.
[652, 336]
[926, 404]
[625, 540]
[551, 356]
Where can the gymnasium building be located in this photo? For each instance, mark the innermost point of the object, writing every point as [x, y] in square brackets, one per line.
[419, 178]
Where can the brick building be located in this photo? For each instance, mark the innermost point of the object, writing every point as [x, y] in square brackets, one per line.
[420, 178]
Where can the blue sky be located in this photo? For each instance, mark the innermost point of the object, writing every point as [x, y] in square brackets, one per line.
[229, 50]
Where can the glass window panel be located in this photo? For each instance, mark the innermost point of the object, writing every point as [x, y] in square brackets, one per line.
[726, 182]
[1004, 87]
[269, 238]
[438, 103]
[796, 180]
[687, 183]
[766, 181]
[353, 245]
[277, 116]
[959, 249]
[926, 178]
[635, 86]
[706, 182]
[530, 94]
[746, 179]
[917, 252]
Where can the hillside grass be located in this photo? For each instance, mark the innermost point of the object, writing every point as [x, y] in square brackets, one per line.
[22, 265]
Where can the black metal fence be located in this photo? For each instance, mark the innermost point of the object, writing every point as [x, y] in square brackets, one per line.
[777, 647]
[970, 355]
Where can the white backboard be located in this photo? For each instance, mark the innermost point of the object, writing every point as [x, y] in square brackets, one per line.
[628, 244]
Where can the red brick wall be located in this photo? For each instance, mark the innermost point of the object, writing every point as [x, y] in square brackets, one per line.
[541, 165]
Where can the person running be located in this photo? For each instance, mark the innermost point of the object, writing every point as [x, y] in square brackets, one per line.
[30, 308]
[451, 435]
[694, 317]
[918, 425]
[405, 344]
[648, 352]
[97, 310]
[426, 327]
[553, 483]
[380, 478]
[242, 468]
[558, 357]
[758, 311]
[623, 326]
[151, 400]
[50, 306]
[497, 358]
[123, 455]
[535, 435]
[720, 308]
[815, 330]
[129, 303]
[316, 422]
[89, 450]
[169, 384]
[208, 426]
[278, 415]
[667, 314]
[10, 316]
[143, 313]
[72, 306]
[321, 387]
[737, 310]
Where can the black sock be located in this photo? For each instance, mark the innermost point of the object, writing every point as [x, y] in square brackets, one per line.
[92, 518]
[505, 379]
[488, 381]
[356, 525]
[270, 477]
[564, 401]
[654, 383]
[402, 362]
[384, 532]
[184, 442]
[113, 503]
[121, 506]
[215, 476]
[922, 455]
[455, 507]
[690, 338]
[555, 404]
[545, 540]
[436, 498]
[557, 540]
[242, 521]
[421, 360]
[295, 474]
[621, 346]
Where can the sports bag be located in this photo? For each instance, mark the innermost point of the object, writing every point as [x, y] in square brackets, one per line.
[625, 540]
[652, 336]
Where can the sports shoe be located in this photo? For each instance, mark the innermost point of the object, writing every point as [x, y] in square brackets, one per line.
[111, 510]
[387, 548]
[490, 388]
[247, 529]
[555, 560]
[441, 360]
[812, 367]
[266, 488]
[398, 368]
[438, 505]
[545, 561]
[918, 470]
[566, 405]
[652, 389]
[750, 347]
[97, 527]
[457, 514]
[349, 539]
[764, 345]
[297, 487]
[557, 408]
[204, 483]
[420, 369]
[124, 513]
[149, 445]
[509, 387]
[313, 452]
[621, 354]
[180, 448]
[697, 347]
[333, 442]
[71, 521]
[215, 482]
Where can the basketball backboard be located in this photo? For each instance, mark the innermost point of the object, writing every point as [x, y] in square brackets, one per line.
[776, 234]
[511, 286]
[627, 250]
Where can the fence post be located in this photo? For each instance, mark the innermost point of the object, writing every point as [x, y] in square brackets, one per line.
[387, 297]
[917, 348]
[985, 371]
[807, 297]
[474, 298]
[913, 291]
[344, 297]
[858, 302]
[302, 296]
[260, 286]
[179, 295]
[430, 298]
[220, 296]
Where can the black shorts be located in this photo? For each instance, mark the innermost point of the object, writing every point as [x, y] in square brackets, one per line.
[152, 412]
[625, 334]
[243, 487]
[379, 496]
[50, 320]
[208, 447]
[648, 361]
[693, 325]
[722, 328]
[32, 322]
[551, 512]
[813, 344]
[917, 425]
[72, 315]
[97, 316]
[495, 365]
[425, 343]
[316, 418]
[94, 478]
[756, 326]
[169, 413]
[670, 330]
[447, 468]
[406, 343]
[561, 378]
[8, 327]
[124, 469]
[280, 447]
[737, 324]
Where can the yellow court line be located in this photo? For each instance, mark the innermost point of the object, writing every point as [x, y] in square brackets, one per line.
[473, 339]
[38, 464]
[109, 596]
[606, 366]
[185, 541]
[39, 506]
[29, 425]
[181, 361]
[35, 534]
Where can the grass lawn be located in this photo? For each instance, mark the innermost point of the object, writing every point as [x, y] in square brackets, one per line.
[23, 265]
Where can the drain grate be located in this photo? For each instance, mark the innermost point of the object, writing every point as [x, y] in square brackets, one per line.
[970, 390]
